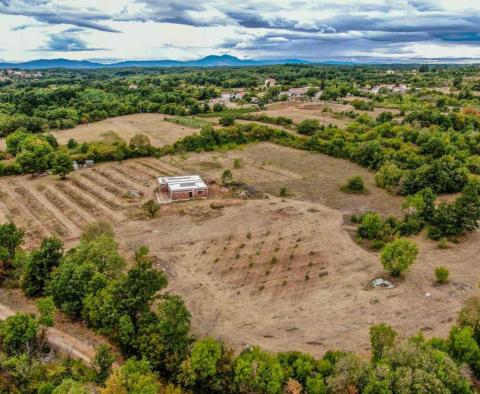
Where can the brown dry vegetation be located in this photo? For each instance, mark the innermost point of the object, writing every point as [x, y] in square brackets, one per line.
[281, 273]
[326, 112]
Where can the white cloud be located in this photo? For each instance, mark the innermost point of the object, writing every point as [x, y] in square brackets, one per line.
[184, 29]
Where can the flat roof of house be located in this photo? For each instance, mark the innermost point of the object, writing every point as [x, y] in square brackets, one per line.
[186, 182]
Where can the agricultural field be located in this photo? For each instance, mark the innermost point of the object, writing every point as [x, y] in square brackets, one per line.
[125, 127]
[325, 112]
[45, 205]
[282, 272]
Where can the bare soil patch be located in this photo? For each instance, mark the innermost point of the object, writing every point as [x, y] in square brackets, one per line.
[281, 273]
[286, 275]
[325, 112]
[307, 176]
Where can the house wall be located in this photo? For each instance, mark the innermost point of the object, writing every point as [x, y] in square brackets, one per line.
[185, 194]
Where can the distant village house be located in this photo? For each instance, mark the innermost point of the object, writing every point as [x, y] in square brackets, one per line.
[398, 88]
[294, 93]
[270, 82]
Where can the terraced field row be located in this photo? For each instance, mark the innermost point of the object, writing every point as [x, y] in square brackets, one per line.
[46, 206]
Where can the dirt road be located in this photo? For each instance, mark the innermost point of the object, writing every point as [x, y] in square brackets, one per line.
[60, 341]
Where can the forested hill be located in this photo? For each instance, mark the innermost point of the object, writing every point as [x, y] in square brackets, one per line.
[209, 61]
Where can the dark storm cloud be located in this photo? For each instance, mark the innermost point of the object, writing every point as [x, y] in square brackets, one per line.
[178, 12]
[45, 11]
[276, 28]
[66, 42]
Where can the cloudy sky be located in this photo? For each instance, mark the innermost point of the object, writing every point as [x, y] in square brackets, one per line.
[358, 30]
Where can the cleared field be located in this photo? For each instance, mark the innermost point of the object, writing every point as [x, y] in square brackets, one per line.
[281, 273]
[286, 275]
[154, 126]
[326, 112]
[307, 176]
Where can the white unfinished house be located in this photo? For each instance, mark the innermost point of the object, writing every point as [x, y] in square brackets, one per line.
[185, 187]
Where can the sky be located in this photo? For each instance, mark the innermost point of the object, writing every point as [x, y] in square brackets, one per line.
[316, 30]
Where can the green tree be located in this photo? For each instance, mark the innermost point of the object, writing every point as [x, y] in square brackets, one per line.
[141, 144]
[469, 315]
[258, 372]
[102, 252]
[209, 367]
[389, 177]
[103, 362]
[62, 164]
[168, 334]
[72, 144]
[463, 347]
[39, 265]
[71, 282]
[70, 386]
[217, 107]
[349, 376]
[398, 255]
[382, 338]
[18, 333]
[34, 155]
[15, 140]
[11, 238]
[133, 377]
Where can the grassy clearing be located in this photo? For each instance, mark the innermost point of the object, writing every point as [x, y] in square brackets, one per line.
[188, 121]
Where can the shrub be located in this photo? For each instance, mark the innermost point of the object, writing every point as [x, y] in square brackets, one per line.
[283, 192]
[370, 226]
[308, 126]
[441, 274]
[442, 243]
[227, 120]
[389, 177]
[354, 185]
[398, 255]
[72, 144]
[237, 163]
[227, 177]
[151, 208]
[217, 107]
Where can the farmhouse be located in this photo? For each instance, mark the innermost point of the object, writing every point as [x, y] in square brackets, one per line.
[294, 93]
[183, 187]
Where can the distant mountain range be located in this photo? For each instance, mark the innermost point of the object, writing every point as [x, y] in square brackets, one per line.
[209, 61]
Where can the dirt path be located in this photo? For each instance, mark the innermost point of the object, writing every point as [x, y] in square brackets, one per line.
[60, 341]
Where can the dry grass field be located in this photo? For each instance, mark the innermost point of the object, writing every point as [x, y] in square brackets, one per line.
[154, 126]
[281, 273]
[306, 175]
[326, 112]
